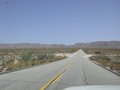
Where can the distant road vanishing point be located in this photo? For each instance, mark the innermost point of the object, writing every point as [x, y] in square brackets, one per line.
[76, 70]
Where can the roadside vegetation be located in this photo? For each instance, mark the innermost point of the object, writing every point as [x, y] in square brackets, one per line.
[12, 59]
[108, 58]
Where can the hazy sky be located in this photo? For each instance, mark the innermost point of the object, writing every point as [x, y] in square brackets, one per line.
[59, 21]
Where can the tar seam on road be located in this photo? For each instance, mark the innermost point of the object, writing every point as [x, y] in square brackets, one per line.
[56, 77]
[85, 78]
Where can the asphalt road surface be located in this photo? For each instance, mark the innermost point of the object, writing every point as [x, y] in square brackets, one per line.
[77, 70]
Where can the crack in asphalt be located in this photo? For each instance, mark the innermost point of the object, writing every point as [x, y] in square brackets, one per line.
[85, 77]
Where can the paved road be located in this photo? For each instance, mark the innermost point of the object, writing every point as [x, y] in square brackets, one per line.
[79, 70]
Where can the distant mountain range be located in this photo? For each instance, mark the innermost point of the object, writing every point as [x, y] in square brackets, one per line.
[97, 44]
[31, 45]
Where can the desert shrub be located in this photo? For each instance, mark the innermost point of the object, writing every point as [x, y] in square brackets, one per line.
[26, 56]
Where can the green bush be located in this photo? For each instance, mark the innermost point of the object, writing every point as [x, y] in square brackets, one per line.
[26, 56]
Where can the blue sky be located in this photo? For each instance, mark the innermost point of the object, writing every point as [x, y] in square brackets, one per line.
[59, 21]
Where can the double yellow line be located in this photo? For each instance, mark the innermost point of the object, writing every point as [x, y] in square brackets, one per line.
[56, 77]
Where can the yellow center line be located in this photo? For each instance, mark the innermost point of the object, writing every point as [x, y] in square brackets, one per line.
[56, 79]
[53, 80]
